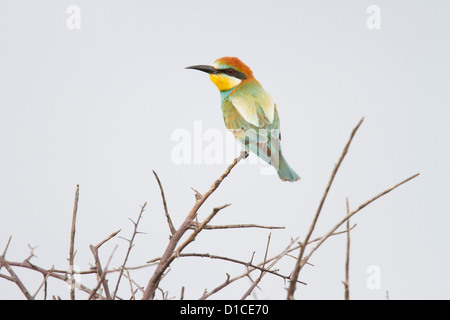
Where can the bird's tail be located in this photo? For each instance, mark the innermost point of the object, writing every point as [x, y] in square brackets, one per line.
[269, 150]
[285, 172]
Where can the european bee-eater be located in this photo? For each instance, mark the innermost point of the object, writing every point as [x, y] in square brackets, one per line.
[249, 112]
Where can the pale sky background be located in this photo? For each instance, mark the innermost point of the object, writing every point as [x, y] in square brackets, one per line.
[97, 107]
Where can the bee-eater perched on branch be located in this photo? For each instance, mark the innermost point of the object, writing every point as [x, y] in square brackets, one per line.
[249, 112]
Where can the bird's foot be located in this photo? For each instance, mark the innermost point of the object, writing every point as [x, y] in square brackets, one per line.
[244, 154]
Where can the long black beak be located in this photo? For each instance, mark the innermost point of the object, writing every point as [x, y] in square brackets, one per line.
[207, 69]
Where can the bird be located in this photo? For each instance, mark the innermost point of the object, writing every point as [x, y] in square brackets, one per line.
[249, 112]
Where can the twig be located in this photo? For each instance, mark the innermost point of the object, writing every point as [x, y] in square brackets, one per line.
[274, 260]
[166, 211]
[56, 274]
[98, 266]
[72, 242]
[182, 293]
[167, 256]
[129, 247]
[4, 250]
[112, 235]
[238, 226]
[252, 267]
[138, 287]
[62, 274]
[14, 278]
[293, 282]
[216, 257]
[191, 238]
[362, 206]
[347, 258]
[4, 276]
[255, 283]
[196, 231]
[31, 252]
[207, 294]
[101, 280]
[128, 276]
[44, 282]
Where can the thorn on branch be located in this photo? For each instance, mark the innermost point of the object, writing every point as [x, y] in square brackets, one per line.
[198, 195]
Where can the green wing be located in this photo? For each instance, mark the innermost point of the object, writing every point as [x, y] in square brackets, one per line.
[263, 139]
[250, 113]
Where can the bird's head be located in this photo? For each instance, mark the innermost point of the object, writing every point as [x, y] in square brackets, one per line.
[226, 73]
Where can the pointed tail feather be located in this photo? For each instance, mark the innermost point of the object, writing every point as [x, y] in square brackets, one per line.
[273, 157]
[285, 172]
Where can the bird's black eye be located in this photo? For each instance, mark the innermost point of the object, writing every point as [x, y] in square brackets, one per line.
[230, 71]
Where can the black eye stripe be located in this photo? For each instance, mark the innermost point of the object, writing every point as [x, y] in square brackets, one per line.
[233, 72]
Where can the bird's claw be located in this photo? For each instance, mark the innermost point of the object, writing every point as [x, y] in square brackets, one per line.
[244, 154]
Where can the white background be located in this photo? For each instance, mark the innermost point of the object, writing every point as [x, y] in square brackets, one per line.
[97, 107]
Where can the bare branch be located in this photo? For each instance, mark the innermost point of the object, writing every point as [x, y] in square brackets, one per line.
[14, 278]
[196, 231]
[44, 282]
[347, 258]
[207, 294]
[56, 274]
[98, 266]
[31, 252]
[238, 226]
[362, 206]
[179, 240]
[182, 293]
[130, 246]
[167, 256]
[102, 280]
[255, 283]
[72, 241]
[274, 260]
[4, 250]
[112, 235]
[216, 257]
[133, 294]
[169, 221]
[252, 267]
[292, 284]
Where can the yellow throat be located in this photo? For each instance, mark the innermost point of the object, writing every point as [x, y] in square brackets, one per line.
[224, 82]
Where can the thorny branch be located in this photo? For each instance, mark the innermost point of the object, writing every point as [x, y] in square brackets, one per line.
[255, 283]
[100, 273]
[14, 278]
[175, 249]
[122, 268]
[296, 271]
[168, 255]
[302, 261]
